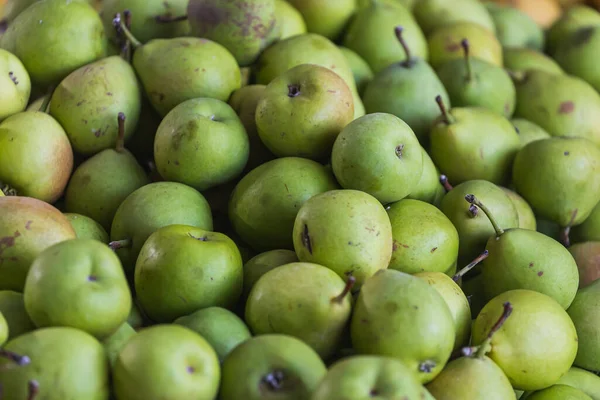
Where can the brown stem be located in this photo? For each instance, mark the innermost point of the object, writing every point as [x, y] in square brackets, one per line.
[398, 31]
[168, 18]
[566, 231]
[120, 244]
[471, 265]
[14, 357]
[120, 147]
[485, 346]
[349, 285]
[34, 389]
[445, 183]
[474, 201]
[448, 119]
[465, 45]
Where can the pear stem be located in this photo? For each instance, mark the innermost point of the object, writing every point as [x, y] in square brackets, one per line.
[474, 201]
[473, 211]
[349, 285]
[471, 265]
[20, 360]
[448, 119]
[566, 231]
[486, 345]
[34, 389]
[465, 45]
[120, 244]
[120, 25]
[398, 31]
[120, 147]
[444, 181]
[167, 19]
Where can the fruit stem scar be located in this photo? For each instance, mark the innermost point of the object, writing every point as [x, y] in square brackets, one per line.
[274, 380]
[120, 244]
[306, 239]
[34, 389]
[471, 265]
[486, 345]
[445, 183]
[14, 357]
[293, 90]
[566, 231]
[474, 201]
[399, 149]
[349, 285]
[427, 366]
[13, 78]
[202, 239]
[448, 119]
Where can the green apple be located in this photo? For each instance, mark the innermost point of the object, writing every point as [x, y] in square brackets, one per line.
[78, 283]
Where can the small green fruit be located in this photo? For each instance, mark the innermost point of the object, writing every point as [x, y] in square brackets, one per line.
[87, 228]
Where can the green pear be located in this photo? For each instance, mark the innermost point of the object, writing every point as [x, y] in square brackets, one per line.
[514, 261]
[524, 211]
[514, 28]
[36, 158]
[429, 188]
[528, 131]
[308, 48]
[405, 89]
[378, 154]
[457, 303]
[182, 268]
[4, 329]
[78, 283]
[477, 83]
[64, 363]
[325, 18]
[146, 18]
[101, 183]
[588, 230]
[532, 358]
[175, 70]
[15, 85]
[114, 343]
[88, 100]
[444, 44]
[561, 104]
[401, 316]
[520, 60]
[166, 362]
[347, 231]
[87, 228]
[567, 169]
[475, 375]
[12, 307]
[262, 263]
[424, 239]
[221, 328]
[432, 14]
[371, 35]
[283, 368]
[304, 300]
[474, 229]
[457, 134]
[587, 257]
[302, 111]
[245, 28]
[27, 227]
[152, 207]
[585, 315]
[201, 143]
[574, 18]
[244, 102]
[70, 35]
[583, 380]
[575, 54]
[559, 392]
[290, 21]
[264, 204]
[362, 377]
[9, 11]
[360, 69]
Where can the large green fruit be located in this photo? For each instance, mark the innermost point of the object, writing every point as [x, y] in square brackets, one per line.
[585, 313]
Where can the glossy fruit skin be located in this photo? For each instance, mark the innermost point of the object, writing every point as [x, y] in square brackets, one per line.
[299, 364]
[534, 357]
[27, 227]
[401, 316]
[584, 313]
[180, 363]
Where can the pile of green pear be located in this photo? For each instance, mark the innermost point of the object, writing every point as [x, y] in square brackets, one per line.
[299, 200]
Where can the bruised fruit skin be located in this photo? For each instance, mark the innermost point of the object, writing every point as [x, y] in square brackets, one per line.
[15, 85]
[347, 231]
[574, 18]
[27, 227]
[577, 52]
[245, 28]
[36, 158]
[70, 35]
[87, 102]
